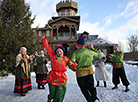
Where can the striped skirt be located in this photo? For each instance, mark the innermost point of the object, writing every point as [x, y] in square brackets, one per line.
[41, 78]
[22, 85]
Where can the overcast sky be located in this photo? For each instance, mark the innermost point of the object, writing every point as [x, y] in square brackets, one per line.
[114, 20]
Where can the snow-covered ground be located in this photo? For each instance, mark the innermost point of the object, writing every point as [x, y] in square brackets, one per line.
[73, 93]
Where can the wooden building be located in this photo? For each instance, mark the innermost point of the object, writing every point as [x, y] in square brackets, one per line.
[63, 29]
[107, 47]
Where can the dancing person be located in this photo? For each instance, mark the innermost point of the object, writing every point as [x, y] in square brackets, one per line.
[118, 69]
[84, 71]
[57, 78]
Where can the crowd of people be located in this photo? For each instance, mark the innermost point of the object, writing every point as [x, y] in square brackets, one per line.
[80, 62]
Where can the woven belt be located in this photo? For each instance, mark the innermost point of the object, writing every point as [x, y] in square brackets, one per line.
[84, 66]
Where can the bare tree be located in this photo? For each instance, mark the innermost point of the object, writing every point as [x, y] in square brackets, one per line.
[121, 46]
[133, 44]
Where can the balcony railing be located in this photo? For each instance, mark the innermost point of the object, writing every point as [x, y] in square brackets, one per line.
[65, 14]
[64, 38]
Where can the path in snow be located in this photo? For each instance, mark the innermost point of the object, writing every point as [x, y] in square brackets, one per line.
[73, 93]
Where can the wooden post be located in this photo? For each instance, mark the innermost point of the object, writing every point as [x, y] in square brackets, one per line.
[75, 32]
[70, 31]
[57, 32]
[51, 36]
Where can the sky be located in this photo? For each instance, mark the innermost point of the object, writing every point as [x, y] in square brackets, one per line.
[113, 20]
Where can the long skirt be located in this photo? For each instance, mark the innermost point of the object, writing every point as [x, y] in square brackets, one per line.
[22, 85]
[41, 78]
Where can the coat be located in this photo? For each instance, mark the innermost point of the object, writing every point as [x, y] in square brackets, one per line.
[117, 59]
[100, 71]
[57, 75]
[84, 58]
[41, 65]
[22, 68]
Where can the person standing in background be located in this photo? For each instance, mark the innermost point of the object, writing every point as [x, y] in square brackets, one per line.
[41, 70]
[34, 61]
[100, 71]
[22, 77]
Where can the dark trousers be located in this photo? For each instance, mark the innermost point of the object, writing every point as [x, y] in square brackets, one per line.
[86, 85]
[119, 73]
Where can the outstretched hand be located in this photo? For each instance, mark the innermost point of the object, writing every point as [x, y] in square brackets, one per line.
[91, 44]
[111, 55]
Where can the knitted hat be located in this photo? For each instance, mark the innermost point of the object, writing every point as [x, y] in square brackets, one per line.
[81, 41]
[59, 46]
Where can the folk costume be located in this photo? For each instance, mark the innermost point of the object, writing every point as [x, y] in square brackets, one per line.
[100, 71]
[57, 78]
[34, 61]
[84, 71]
[22, 77]
[118, 70]
[41, 71]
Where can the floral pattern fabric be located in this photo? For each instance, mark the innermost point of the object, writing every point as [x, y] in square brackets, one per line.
[57, 75]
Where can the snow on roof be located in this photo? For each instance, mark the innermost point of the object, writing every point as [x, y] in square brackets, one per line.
[98, 41]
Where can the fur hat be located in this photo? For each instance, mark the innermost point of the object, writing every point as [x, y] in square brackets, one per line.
[59, 46]
[81, 42]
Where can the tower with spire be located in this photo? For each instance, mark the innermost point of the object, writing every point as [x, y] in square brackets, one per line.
[63, 27]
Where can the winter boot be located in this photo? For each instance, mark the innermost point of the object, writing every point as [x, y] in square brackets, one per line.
[22, 94]
[115, 87]
[97, 100]
[97, 84]
[39, 86]
[43, 87]
[48, 100]
[105, 84]
[127, 89]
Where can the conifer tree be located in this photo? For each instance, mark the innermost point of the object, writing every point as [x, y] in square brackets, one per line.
[15, 31]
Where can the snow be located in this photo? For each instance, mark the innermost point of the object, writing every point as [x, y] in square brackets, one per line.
[98, 41]
[73, 93]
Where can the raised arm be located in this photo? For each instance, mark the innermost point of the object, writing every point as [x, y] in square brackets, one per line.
[47, 47]
[96, 53]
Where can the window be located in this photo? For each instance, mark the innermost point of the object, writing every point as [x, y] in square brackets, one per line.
[40, 33]
[105, 52]
[47, 33]
[59, 34]
[59, 13]
[64, 34]
[72, 33]
[72, 12]
[66, 12]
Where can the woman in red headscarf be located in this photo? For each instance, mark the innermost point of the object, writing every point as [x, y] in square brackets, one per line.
[56, 77]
